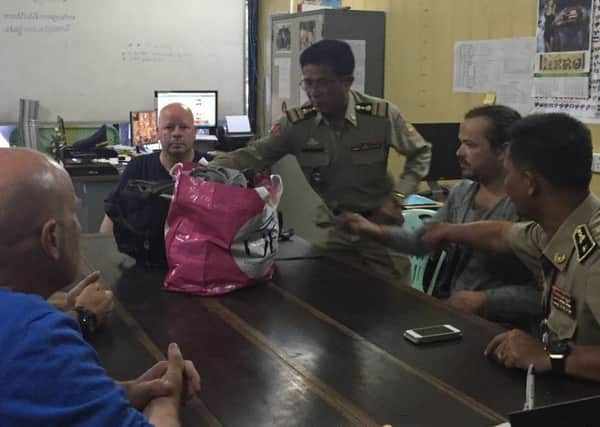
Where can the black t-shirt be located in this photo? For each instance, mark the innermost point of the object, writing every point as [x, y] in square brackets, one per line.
[149, 168]
[147, 216]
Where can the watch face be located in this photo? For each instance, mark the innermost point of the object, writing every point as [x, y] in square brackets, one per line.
[554, 345]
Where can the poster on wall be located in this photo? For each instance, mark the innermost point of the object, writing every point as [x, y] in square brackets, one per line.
[574, 94]
[282, 36]
[307, 33]
[563, 51]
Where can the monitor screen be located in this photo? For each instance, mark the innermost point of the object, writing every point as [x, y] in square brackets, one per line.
[202, 103]
[143, 127]
[444, 143]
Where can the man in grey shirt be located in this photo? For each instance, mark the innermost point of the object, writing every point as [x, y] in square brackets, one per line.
[498, 288]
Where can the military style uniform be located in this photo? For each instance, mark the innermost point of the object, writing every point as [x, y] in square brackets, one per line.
[570, 265]
[346, 167]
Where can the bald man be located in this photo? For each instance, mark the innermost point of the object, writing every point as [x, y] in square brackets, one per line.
[50, 375]
[176, 133]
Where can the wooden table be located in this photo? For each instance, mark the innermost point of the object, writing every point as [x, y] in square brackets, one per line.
[319, 346]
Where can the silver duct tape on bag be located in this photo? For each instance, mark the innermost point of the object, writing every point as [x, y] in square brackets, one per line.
[28, 123]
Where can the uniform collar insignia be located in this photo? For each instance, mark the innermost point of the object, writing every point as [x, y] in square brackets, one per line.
[584, 243]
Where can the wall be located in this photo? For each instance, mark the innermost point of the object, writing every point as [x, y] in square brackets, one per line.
[419, 50]
[97, 61]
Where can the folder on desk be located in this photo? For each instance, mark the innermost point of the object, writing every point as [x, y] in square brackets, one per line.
[414, 201]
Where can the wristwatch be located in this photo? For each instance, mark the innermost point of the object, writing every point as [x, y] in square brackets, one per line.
[558, 350]
[87, 321]
[399, 197]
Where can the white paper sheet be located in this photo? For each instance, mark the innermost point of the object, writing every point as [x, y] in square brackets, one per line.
[483, 65]
[562, 87]
[359, 49]
[283, 66]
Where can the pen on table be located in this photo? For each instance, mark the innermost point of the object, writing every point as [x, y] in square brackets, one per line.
[530, 389]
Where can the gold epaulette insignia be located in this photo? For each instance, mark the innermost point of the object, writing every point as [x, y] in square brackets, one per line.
[584, 243]
[375, 108]
[296, 115]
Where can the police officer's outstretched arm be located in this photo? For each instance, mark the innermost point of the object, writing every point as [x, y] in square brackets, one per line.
[260, 154]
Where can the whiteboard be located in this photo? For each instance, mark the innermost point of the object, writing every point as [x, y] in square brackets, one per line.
[90, 60]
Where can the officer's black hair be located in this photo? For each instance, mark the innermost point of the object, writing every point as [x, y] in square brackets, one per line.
[500, 118]
[335, 53]
[556, 146]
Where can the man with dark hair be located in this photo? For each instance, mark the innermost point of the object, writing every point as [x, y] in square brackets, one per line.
[499, 288]
[341, 140]
[548, 171]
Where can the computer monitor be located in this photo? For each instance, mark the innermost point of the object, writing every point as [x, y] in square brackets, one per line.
[444, 143]
[143, 127]
[203, 104]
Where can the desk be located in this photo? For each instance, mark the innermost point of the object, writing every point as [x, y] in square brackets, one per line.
[319, 346]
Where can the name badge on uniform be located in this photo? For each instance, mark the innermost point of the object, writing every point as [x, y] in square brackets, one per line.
[584, 243]
[563, 301]
[367, 146]
[313, 146]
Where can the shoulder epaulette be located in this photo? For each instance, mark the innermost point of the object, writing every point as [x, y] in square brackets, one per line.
[584, 242]
[296, 115]
[374, 108]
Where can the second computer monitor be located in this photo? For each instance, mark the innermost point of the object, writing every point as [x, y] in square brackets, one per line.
[203, 104]
[143, 127]
[444, 143]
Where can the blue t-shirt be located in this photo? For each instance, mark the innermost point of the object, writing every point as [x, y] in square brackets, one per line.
[49, 376]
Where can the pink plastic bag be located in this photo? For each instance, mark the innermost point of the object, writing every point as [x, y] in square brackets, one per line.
[220, 237]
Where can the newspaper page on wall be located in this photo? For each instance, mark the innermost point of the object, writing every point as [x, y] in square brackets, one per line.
[503, 66]
[567, 71]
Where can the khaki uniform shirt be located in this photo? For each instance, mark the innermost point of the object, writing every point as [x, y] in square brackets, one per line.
[346, 167]
[570, 265]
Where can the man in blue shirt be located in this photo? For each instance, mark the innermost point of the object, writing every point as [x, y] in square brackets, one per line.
[50, 376]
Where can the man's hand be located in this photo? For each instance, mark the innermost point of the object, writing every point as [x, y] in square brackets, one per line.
[359, 224]
[467, 301]
[436, 235]
[165, 410]
[88, 294]
[151, 384]
[390, 211]
[516, 349]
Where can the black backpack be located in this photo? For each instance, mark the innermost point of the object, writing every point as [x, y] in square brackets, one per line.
[138, 212]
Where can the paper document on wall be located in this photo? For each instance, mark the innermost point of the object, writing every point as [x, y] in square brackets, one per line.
[480, 65]
[504, 66]
[359, 49]
[557, 87]
[283, 66]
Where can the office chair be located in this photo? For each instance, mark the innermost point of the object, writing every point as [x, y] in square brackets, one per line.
[413, 219]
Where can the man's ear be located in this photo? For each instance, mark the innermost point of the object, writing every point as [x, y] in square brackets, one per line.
[348, 80]
[532, 181]
[502, 151]
[49, 239]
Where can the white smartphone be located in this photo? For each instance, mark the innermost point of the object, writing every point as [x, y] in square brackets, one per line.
[432, 334]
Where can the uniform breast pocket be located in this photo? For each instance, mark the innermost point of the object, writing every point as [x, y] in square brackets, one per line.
[368, 154]
[313, 159]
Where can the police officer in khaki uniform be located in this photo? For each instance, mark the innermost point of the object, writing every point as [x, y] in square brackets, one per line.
[342, 141]
[548, 171]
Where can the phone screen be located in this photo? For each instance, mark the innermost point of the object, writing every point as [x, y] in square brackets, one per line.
[434, 330]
